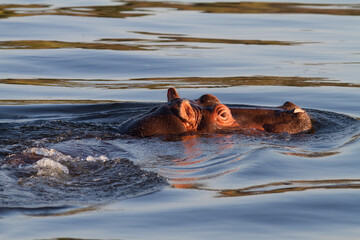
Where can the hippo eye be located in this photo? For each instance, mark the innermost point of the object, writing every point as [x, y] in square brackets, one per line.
[224, 117]
[222, 112]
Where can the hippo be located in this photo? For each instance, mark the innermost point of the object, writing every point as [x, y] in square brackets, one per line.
[207, 114]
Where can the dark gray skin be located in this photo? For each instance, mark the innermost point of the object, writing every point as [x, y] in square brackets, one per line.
[207, 114]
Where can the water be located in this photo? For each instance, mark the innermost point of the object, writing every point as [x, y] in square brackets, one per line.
[71, 72]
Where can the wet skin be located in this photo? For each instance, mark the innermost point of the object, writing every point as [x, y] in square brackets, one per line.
[207, 114]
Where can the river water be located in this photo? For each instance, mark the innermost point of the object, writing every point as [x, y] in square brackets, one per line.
[71, 72]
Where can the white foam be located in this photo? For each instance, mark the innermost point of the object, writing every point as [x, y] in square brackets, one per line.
[49, 167]
[101, 158]
[50, 153]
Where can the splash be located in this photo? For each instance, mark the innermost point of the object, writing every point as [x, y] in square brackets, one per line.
[49, 167]
[52, 178]
[50, 153]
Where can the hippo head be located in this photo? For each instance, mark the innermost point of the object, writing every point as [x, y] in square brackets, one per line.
[207, 114]
[179, 116]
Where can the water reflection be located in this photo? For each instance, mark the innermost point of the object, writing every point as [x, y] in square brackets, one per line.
[311, 154]
[194, 165]
[183, 82]
[131, 46]
[175, 38]
[194, 169]
[138, 44]
[37, 44]
[49, 211]
[291, 186]
[65, 212]
[66, 238]
[58, 101]
[142, 8]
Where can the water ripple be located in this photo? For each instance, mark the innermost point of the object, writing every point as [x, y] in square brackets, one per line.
[143, 8]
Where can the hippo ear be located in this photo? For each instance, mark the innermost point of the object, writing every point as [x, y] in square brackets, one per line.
[172, 94]
[223, 115]
[208, 100]
[187, 112]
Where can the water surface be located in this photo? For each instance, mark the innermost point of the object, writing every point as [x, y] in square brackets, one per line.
[71, 72]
